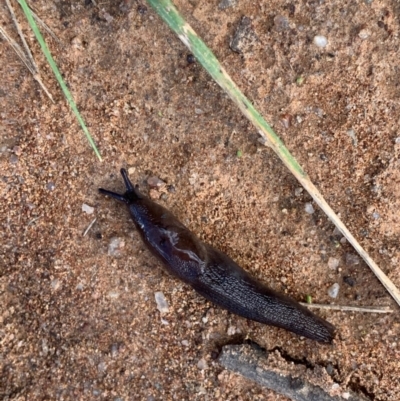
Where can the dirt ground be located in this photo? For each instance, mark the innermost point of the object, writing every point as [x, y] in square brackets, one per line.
[81, 322]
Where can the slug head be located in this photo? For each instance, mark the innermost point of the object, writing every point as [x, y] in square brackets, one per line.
[131, 194]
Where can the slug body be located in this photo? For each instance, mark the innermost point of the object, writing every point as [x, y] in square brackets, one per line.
[213, 274]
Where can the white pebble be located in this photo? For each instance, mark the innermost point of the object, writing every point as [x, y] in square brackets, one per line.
[333, 290]
[320, 41]
[162, 303]
[231, 330]
[115, 246]
[364, 34]
[87, 209]
[309, 208]
[333, 263]
[55, 284]
[298, 191]
[185, 343]
[202, 364]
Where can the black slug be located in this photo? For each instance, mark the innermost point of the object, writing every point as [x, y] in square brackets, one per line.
[212, 273]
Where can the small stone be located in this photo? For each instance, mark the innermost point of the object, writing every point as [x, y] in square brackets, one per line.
[50, 186]
[202, 364]
[114, 350]
[364, 34]
[116, 246]
[352, 134]
[155, 182]
[231, 330]
[185, 343]
[352, 259]
[308, 207]
[333, 290]
[113, 294]
[162, 303]
[281, 23]
[55, 284]
[76, 43]
[244, 36]
[298, 191]
[13, 159]
[79, 287]
[320, 41]
[198, 111]
[224, 4]
[349, 281]
[286, 120]
[333, 263]
[87, 209]
[376, 215]
[131, 170]
[397, 140]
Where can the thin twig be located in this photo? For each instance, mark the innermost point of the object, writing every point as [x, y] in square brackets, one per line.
[21, 35]
[44, 25]
[89, 226]
[168, 12]
[371, 309]
[26, 56]
[18, 49]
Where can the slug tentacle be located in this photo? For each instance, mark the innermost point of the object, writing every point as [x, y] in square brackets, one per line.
[213, 274]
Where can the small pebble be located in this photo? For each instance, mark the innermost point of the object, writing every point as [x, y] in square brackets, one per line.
[202, 364]
[116, 246]
[352, 134]
[333, 263]
[113, 294]
[190, 59]
[79, 287]
[224, 4]
[376, 215]
[114, 350]
[333, 290]
[281, 23]
[56, 284]
[352, 259]
[397, 140]
[298, 191]
[320, 41]
[349, 281]
[185, 343]
[231, 330]
[50, 186]
[87, 209]
[364, 34]
[308, 207]
[13, 159]
[198, 111]
[162, 303]
[155, 182]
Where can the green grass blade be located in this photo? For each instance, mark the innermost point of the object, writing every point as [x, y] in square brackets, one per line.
[58, 75]
[168, 12]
